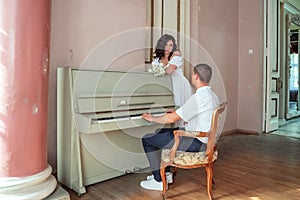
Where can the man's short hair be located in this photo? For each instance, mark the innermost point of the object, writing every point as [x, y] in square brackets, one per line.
[204, 72]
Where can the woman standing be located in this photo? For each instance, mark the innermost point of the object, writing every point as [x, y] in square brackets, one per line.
[166, 52]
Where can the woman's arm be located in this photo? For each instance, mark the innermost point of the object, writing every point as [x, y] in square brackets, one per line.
[175, 62]
[176, 53]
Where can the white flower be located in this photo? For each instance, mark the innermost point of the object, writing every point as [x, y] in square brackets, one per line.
[157, 69]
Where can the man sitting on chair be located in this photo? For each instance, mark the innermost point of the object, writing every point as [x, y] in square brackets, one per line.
[196, 112]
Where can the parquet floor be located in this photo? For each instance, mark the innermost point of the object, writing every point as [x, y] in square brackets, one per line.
[249, 167]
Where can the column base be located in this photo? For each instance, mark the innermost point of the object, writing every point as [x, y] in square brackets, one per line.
[38, 186]
[59, 194]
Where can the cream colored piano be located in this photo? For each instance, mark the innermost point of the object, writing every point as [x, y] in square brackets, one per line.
[99, 128]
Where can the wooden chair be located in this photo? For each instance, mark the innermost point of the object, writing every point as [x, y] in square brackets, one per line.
[190, 160]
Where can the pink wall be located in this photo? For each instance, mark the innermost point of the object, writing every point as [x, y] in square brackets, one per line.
[227, 30]
[250, 104]
[218, 34]
[24, 86]
[77, 28]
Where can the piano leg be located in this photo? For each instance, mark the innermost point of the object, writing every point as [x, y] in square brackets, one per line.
[80, 190]
[78, 184]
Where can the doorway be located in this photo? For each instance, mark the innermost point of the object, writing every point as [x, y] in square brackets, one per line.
[292, 66]
[289, 62]
[281, 63]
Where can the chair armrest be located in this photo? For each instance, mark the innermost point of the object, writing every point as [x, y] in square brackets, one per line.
[195, 134]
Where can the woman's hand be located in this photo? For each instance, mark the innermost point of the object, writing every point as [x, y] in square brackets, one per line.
[170, 69]
[176, 53]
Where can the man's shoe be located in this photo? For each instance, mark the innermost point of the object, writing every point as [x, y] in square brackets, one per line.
[152, 184]
[169, 177]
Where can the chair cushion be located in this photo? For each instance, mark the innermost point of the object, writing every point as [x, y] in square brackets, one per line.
[188, 158]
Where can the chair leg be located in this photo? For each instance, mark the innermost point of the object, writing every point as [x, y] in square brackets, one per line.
[213, 184]
[209, 180]
[174, 171]
[213, 181]
[164, 180]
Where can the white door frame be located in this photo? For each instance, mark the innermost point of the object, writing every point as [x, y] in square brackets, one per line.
[271, 65]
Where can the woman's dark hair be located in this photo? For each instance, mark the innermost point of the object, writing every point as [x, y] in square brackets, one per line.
[160, 46]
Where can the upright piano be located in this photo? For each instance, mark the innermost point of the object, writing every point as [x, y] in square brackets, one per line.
[99, 124]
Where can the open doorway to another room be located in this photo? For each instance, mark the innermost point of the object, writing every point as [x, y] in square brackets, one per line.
[286, 85]
[289, 62]
[293, 73]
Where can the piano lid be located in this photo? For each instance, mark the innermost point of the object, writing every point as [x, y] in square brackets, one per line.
[105, 91]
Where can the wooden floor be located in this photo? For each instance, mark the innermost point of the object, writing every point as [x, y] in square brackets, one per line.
[249, 167]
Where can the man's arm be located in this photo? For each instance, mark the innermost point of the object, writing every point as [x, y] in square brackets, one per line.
[168, 118]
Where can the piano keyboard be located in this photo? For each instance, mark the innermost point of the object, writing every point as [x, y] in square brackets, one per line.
[118, 119]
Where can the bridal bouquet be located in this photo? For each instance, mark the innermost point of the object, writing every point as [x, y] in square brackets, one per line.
[157, 69]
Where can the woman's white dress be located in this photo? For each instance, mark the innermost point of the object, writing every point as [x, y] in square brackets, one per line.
[182, 89]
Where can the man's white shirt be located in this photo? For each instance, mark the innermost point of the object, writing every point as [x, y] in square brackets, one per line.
[198, 109]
